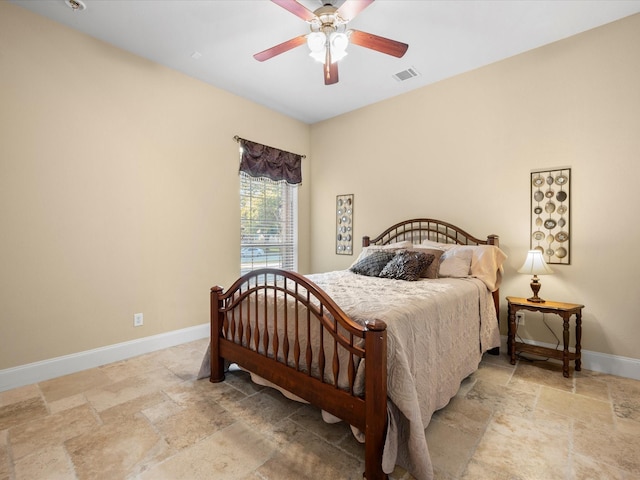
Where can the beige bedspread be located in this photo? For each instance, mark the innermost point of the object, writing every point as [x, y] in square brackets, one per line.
[437, 331]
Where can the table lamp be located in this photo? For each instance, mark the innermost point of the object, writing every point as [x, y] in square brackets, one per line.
[535, 265]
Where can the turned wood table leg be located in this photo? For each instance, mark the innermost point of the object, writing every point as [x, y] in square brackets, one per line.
[511, 334]
[565, 339]
[578, 339]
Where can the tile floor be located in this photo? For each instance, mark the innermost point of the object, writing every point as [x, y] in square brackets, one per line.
[148, 418]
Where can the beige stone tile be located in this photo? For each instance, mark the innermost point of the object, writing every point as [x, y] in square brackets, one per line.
[21, 412]
[502, 360]
[50, 431]
[252, 476]
[242, 381]
[585, 468]
[192, 424]
[111, 394]
[132, 407]
[49, 463]
[543, 373]
[118, 448]
[450, 447]
[183, 360]
[67, 403]
[477, 470]
[310, 418]
[526, 448]
[162, 410]
[465, 415]
[5, 464]
[305, 455]
[626, 425]
[575, 406]
[400, 473]
[625, 395]
[546, 416]
[352, 446]
[131, 367]
[230, 454]
[194, 391]
[264, 409]
[466, 386]
[502, 399]
[19, 394]
[493, 373]
[73, 384]
[592, 387]
[524, 385]
[608, 446]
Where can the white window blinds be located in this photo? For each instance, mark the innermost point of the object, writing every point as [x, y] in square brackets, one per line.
[268, 224]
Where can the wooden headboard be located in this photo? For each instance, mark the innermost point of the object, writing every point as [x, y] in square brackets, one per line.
[420, 229]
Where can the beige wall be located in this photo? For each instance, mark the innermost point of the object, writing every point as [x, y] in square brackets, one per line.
[118, 191]
[462, 150]
[118, 181]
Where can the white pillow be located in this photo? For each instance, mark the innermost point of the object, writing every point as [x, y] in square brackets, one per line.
[486, 263]
[442, 246]
[455, 263]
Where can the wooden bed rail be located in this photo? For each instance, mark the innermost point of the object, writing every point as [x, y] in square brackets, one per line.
[281, 326]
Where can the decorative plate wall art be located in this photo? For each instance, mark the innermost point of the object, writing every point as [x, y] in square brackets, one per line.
[550, 214]
[344, 224]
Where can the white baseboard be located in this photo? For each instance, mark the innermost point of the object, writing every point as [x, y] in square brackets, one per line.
[56, 367]
[598, 362]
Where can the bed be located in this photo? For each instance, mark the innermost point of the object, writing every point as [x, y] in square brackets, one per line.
[381, 354]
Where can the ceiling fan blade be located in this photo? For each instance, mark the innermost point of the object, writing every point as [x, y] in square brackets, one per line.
[280, 48]
[351, 8]
[380, 44]
[330, 70]
[295, 8]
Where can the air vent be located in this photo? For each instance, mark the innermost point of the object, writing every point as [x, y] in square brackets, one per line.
[406, 74]
[75, 5]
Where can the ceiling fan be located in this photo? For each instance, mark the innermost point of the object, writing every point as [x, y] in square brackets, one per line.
[329, 35]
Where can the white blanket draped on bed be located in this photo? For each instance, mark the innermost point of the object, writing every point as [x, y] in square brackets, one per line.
[437, 331]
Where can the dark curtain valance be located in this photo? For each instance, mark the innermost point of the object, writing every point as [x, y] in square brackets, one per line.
[261, 161]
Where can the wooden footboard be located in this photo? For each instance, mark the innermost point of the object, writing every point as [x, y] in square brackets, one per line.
[284, 328]
[281, 326]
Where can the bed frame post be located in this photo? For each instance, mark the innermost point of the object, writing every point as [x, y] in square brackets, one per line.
[376, 398]
[217, 362]
[495, 240]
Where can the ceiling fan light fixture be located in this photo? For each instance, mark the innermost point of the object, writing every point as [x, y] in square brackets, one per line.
[339, 42]
[317, 41]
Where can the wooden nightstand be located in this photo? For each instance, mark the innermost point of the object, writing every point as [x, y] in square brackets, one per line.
[565, 310]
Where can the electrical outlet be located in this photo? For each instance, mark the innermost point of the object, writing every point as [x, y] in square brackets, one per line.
[138, 320]
[520, 318]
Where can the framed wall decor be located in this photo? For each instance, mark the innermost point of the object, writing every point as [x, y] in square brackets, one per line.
[550, 214]
[344, 224]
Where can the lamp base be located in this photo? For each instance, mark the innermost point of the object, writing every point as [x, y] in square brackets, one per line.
[536, 300]
[535, 288]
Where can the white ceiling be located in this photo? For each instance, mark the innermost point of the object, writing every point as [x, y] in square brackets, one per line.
[445, 38]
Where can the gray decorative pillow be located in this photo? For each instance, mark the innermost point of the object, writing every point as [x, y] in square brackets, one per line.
[432, 270]
[372, 264]
[407, 265]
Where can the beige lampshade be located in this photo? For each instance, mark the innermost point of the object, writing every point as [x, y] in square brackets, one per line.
[534, 264]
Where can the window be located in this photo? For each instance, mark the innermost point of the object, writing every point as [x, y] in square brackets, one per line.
[268, 224]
